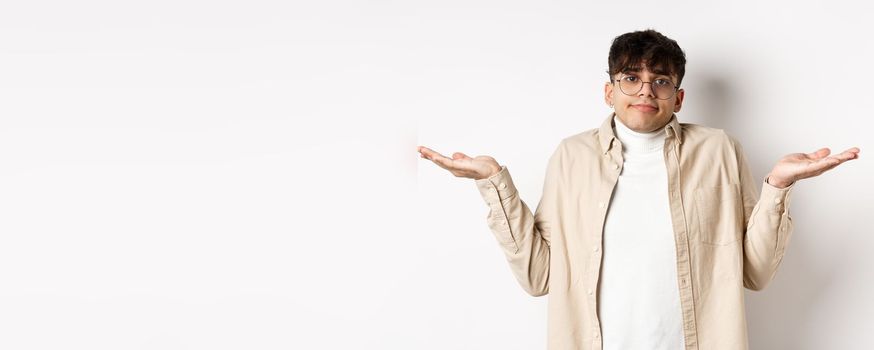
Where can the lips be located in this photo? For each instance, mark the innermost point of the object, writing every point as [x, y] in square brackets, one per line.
[645, 107]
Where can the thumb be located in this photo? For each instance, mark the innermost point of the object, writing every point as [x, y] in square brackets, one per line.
[819, 154]
[459, 155]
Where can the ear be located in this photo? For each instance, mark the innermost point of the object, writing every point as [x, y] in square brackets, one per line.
[608, 93]
[678, 102]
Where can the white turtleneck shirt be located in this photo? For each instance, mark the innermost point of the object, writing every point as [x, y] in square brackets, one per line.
[638, 296]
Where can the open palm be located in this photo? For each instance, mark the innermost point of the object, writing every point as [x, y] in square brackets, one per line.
[461, 165]
[797, 166]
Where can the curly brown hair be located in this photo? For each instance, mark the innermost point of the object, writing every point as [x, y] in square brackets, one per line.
[646, 47]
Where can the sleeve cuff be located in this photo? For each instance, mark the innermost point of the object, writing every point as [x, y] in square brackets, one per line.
[777, 199]
[496, 187]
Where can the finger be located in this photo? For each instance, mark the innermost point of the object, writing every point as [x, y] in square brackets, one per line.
[423, 150]
[854, 150]
[842, 157]
[439, 159]
[819, 166]
[429, 153]
[819, 154]
[459, 155]
[828, 163]
[446, 163]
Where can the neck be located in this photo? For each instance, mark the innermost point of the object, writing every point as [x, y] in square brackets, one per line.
[638, 142]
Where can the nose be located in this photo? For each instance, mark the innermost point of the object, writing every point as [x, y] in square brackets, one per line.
[646, 89]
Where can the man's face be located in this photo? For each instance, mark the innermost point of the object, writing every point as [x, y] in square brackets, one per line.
[642, 111]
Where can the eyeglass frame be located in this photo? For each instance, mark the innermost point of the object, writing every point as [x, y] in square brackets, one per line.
[676, 87]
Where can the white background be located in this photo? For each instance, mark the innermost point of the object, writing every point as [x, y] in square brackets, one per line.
[243, 175]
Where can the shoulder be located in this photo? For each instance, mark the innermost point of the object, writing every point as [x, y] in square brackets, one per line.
[711, 143]
[695, 135]
[586, 141]
[575, 148]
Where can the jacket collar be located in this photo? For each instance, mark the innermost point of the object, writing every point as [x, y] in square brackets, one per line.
[606, 134]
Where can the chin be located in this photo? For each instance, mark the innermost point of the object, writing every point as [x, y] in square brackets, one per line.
[647, 123]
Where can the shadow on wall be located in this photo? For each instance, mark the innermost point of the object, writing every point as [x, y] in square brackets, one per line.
[777, 315]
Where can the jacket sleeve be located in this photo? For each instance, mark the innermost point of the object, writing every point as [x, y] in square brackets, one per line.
[768, 225]
[524, 237]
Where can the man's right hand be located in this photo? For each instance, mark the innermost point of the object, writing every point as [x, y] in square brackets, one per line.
[460, 165]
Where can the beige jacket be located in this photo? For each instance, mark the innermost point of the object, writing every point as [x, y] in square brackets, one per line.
[727, 237]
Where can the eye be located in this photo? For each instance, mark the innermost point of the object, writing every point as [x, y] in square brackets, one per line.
[630, 78]
[663, 82]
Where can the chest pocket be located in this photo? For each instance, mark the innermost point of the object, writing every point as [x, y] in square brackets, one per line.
[718, 215]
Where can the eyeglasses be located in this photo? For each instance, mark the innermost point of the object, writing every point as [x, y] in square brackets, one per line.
[663, 89]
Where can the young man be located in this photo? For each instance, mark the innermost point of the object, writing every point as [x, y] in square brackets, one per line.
[648, 229]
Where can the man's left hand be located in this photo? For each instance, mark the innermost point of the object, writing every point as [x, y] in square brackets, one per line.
[797, 166]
